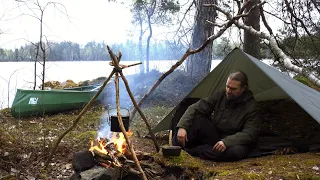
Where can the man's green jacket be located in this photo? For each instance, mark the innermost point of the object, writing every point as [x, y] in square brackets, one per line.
[238, 122]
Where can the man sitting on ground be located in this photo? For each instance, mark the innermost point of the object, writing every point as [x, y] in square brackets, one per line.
[232, 132]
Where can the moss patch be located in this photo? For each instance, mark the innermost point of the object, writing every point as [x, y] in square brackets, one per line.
[182, 160]
[6, 140]
[224, 173]
[253, 176]
[86, 136]
[304, 80]
[187, 166]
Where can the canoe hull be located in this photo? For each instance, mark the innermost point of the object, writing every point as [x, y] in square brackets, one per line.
[40, 102]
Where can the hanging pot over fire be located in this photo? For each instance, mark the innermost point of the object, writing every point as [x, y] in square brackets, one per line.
[114, 123]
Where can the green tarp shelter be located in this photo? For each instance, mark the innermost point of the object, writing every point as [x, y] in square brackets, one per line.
[266, 83]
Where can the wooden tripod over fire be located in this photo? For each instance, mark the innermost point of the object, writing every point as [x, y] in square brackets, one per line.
[117, 71]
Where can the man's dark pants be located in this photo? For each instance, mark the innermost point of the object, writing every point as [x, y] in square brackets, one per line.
[202, 136]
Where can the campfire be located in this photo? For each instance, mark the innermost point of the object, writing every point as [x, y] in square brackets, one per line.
[117, 139]
[109, 156]
[110, 153]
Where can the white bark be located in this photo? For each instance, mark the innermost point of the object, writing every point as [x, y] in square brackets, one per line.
[274, 46]
[287, 63]
[283, 57]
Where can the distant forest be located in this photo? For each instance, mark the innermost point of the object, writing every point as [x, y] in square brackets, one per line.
[70, 51]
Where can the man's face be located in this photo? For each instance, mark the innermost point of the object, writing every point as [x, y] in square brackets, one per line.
[234, 89]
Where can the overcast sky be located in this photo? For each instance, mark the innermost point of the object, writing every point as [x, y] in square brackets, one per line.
[87, 20]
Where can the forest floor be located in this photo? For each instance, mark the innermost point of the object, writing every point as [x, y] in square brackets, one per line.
[25, 143]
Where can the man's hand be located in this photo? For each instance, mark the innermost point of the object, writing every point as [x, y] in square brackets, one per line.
[182, 136]
[219, 147]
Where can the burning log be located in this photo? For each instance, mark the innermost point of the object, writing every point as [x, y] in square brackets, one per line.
[114, 153]
[106, 158]
[107, 151]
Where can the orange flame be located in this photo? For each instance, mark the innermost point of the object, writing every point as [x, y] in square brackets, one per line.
[118, 140]
[99, 147]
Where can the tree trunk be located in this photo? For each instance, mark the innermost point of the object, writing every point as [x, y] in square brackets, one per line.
[140, 46]
[199, 65]
[251, 42]
[35, 70]
[148, 44]
[43, 47]
[150, 14]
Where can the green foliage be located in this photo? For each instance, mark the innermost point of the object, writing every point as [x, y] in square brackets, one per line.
[304, 47]
[163, 10]
[69, 51]
[170, 5]
[222, 49]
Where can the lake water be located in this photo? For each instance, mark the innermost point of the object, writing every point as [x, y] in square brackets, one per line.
[20, 75]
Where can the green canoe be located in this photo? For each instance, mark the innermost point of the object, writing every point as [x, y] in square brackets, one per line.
[39, 102]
